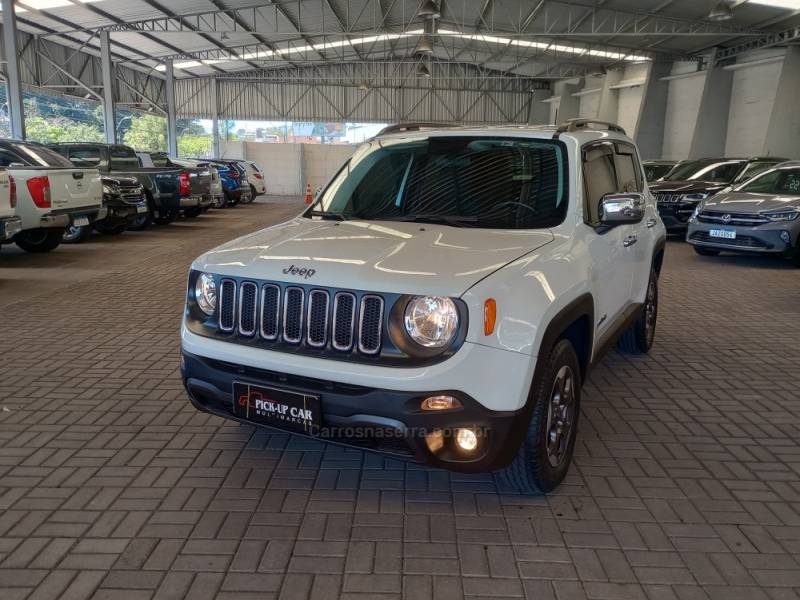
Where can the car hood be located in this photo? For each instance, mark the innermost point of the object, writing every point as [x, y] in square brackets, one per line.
[119, 181]
[686, 187]
[746, 202]
[386, 256]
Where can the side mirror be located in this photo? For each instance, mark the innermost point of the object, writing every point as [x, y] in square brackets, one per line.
[621, 209]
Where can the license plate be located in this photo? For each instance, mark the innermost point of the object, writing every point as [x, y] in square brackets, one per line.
[728, 234]
[80, 221]
[276, 407]
[141, 209]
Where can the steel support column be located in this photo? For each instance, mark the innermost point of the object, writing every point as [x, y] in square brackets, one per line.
[13, 82]
[107, 69]
[172, 128]
[214, 118]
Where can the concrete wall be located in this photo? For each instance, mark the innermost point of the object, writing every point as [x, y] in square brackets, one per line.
[752, 98]
[289, 167]
[684, 94]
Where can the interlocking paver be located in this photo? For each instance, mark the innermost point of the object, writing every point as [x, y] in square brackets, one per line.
[685, 485]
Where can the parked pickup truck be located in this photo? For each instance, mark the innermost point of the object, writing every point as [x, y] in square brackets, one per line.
[162, 186]
[495, 266]
[217, 195]
[123, 201]
[198, 176]
[52, 194]
[10, 223]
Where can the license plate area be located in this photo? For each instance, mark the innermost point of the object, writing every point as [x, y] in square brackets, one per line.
[276, 407]
[141, 208]
[728, 234]
[80, 221]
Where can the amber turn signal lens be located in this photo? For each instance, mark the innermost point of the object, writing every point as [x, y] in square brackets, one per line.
[489, 316]
[440, 403]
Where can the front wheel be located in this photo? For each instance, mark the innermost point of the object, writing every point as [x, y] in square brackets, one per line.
[75, 234]
[39, 240]
[638, 339]
[546, 452]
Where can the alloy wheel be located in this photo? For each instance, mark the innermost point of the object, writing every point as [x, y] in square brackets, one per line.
[560, 416]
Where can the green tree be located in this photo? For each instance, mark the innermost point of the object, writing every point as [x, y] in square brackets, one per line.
[53, 130]
[147, 133]
[194, 145]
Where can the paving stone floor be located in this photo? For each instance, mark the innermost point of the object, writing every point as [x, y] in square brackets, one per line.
[686, 483]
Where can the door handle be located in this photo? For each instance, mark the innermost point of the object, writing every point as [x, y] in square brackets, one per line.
[630, 240]
[651, 222]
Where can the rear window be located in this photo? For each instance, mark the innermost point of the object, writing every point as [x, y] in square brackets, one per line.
[123, 158]
[85, 157]
[485, 182]
[39, 156]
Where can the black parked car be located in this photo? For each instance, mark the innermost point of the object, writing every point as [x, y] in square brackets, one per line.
[656, 169]
[692, 181]
[123, 201]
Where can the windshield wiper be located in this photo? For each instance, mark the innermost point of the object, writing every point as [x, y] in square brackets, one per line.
[333, 216]
[452, 220]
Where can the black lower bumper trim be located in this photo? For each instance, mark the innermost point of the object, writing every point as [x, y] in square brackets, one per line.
[385, 421]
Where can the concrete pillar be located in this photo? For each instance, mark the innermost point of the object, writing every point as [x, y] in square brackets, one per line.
[214, 119]
[609, 98]
[16, 109]
[568, 105]
[172, 127]
[538, 111]
[107, 71]
[783, 132]
[649, 133]
[711, 131]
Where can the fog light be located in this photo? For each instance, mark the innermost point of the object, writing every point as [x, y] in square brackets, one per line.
[440, 403]
[466, 439]
[435, 440]
[786, 237]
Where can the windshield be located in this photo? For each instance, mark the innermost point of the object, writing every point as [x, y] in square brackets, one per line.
[707, 169]
[755, 167]
[784, 181]
[475, 181]
[39, 156]
[655, 171]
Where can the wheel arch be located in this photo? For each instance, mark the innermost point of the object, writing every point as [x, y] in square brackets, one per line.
[574, 322]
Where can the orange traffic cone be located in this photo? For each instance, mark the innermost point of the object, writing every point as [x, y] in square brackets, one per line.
[309, 195]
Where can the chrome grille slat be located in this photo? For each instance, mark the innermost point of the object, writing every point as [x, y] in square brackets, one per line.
[344, 321]
[248, 305]
[227, 305]
[293, 303]
[317, 318]
[270, 311]
[370, 324]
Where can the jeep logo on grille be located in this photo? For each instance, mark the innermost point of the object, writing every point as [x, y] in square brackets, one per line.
[299, 271]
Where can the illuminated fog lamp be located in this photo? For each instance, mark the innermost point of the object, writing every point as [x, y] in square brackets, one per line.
[466, 439]
[435, 440]
[786, 237]
[440, 403]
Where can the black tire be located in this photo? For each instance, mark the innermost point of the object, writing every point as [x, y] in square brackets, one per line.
[253, 194]
[230, 200]
[76, 235]
[705, 251]
[638, 339]
[39, 240]
[165, 217]
[106, 229]
[538, 468]
[191, 213]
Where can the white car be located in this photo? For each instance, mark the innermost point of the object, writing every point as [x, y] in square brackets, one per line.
[52, 194]
[442, 300]
[10, 224]
[258, 185]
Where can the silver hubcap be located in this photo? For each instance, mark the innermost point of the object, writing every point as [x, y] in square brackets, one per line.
[560, 416]
[651, 312]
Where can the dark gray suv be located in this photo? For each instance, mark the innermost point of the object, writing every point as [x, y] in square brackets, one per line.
[761, 215]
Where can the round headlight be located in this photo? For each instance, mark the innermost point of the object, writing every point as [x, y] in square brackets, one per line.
[431, 321]
[205, 293]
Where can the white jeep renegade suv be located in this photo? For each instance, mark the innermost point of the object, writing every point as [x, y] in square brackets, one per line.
[441, 301]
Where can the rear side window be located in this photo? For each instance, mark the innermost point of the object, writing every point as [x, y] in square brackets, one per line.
[7, 157]
[122, 158]
[85, 157]
[39, 156]
[629, 175]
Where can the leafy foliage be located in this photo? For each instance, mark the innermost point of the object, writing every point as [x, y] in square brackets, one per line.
[147, 133]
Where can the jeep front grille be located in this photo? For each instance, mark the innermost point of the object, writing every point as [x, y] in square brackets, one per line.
[295, 316]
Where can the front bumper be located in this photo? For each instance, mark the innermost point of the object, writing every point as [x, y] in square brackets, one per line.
[676, 215]
[9, 228]
[761, 239]
[123, 213]
[381, 420]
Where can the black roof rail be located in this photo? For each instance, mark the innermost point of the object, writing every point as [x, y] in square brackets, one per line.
[412, 126]
[571, 125]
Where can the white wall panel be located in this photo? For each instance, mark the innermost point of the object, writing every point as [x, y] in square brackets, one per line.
[752, 97]
[683, 103]
[630, 102]
[589, 105]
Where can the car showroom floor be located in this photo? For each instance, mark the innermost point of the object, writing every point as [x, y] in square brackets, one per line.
[686, 483]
